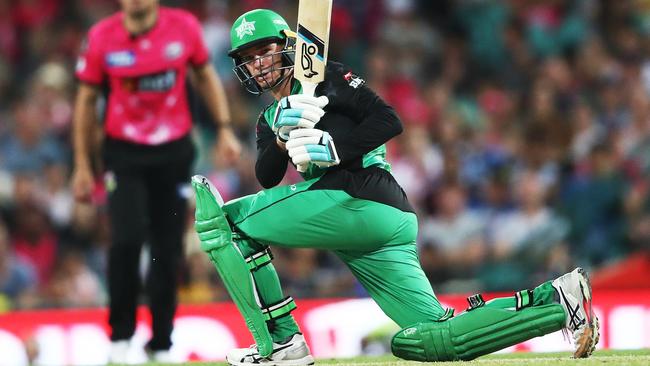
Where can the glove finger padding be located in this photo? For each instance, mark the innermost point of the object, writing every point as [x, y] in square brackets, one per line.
[297, 111]
[306, 132]
[305, 111]
[312, 145]
[295, 143]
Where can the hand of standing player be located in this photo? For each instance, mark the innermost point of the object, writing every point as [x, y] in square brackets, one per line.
[228, 148]
[82, 184]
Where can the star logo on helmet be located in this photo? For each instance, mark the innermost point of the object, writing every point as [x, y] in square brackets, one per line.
[245, 28]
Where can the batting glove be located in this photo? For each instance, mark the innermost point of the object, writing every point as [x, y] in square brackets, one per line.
[299, 110]
[311, 145]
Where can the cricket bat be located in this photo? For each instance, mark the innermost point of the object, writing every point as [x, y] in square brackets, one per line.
[312, 39]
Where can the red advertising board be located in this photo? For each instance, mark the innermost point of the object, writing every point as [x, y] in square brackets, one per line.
[333, 328]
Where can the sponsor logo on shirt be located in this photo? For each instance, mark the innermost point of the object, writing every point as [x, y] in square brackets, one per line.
[353, 80]
[81, 64]
[173, 50]
[120, 58]
[159, 82]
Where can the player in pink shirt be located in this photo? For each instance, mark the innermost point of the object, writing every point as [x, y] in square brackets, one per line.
[141, 57]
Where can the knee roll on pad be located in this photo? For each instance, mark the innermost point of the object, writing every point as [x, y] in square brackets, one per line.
[476, 333]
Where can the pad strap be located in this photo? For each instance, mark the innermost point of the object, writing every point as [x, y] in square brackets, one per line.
[524, 299]
[475, 301]
[279, 309]
[259, 259]
[449, 313]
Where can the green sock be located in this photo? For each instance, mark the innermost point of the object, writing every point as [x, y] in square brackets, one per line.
[543, 294]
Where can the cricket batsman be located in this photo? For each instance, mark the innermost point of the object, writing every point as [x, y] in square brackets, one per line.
[350, 204]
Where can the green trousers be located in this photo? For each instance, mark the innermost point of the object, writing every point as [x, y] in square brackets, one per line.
[376, 241]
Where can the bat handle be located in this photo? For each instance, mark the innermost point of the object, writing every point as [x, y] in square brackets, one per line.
[308, 89]
[302, 167]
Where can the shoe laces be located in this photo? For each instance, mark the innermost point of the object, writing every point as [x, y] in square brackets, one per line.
[253, 349]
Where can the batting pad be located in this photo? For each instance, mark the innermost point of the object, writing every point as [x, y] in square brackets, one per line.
[476, 333]
[216, 240]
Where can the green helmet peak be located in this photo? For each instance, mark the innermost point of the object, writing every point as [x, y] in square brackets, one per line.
[255, 27]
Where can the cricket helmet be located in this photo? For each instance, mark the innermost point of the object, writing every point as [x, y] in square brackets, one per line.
[257, 27]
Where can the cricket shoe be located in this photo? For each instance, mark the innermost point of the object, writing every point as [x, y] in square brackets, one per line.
[574, 290]
[294, 352]
[118, 352]
[162, 356]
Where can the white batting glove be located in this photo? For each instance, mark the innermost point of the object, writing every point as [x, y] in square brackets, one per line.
[297, 111]
[311, 145]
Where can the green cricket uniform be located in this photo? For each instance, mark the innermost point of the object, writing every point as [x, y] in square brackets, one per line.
[354, 207]
[358, 211]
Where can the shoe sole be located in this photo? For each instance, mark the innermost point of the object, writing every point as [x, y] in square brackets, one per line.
[305, 361]
[586, 343]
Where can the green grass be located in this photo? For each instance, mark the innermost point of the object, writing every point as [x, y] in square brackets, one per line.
[607, 358]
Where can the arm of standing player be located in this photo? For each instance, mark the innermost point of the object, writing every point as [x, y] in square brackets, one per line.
[209, 85]
[83, 128]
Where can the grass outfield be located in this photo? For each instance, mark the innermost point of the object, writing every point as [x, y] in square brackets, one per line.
[609, 358]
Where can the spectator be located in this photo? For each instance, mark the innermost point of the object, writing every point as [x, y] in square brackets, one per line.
[73, 284]
[524, 238]
[593, 203]
[453, 236]
[29, 148]
[18, 277]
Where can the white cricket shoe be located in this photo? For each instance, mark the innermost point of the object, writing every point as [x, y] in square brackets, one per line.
[163, 356]
[119, 351]
[574, 290]
[295, 352]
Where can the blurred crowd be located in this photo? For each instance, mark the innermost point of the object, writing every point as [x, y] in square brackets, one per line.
[526, 148]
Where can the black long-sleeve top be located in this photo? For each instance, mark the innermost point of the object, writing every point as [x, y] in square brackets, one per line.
[357, 119]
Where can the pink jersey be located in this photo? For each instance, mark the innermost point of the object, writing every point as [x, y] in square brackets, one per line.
[145, 74]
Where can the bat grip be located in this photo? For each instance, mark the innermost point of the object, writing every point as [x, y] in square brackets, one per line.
[308, 89]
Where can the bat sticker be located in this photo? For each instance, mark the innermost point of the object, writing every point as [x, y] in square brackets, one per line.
[307, 63]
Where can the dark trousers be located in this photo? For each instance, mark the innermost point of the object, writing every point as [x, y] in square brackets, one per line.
[146, 204]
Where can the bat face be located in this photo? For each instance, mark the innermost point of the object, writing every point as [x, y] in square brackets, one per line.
[312, 40]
